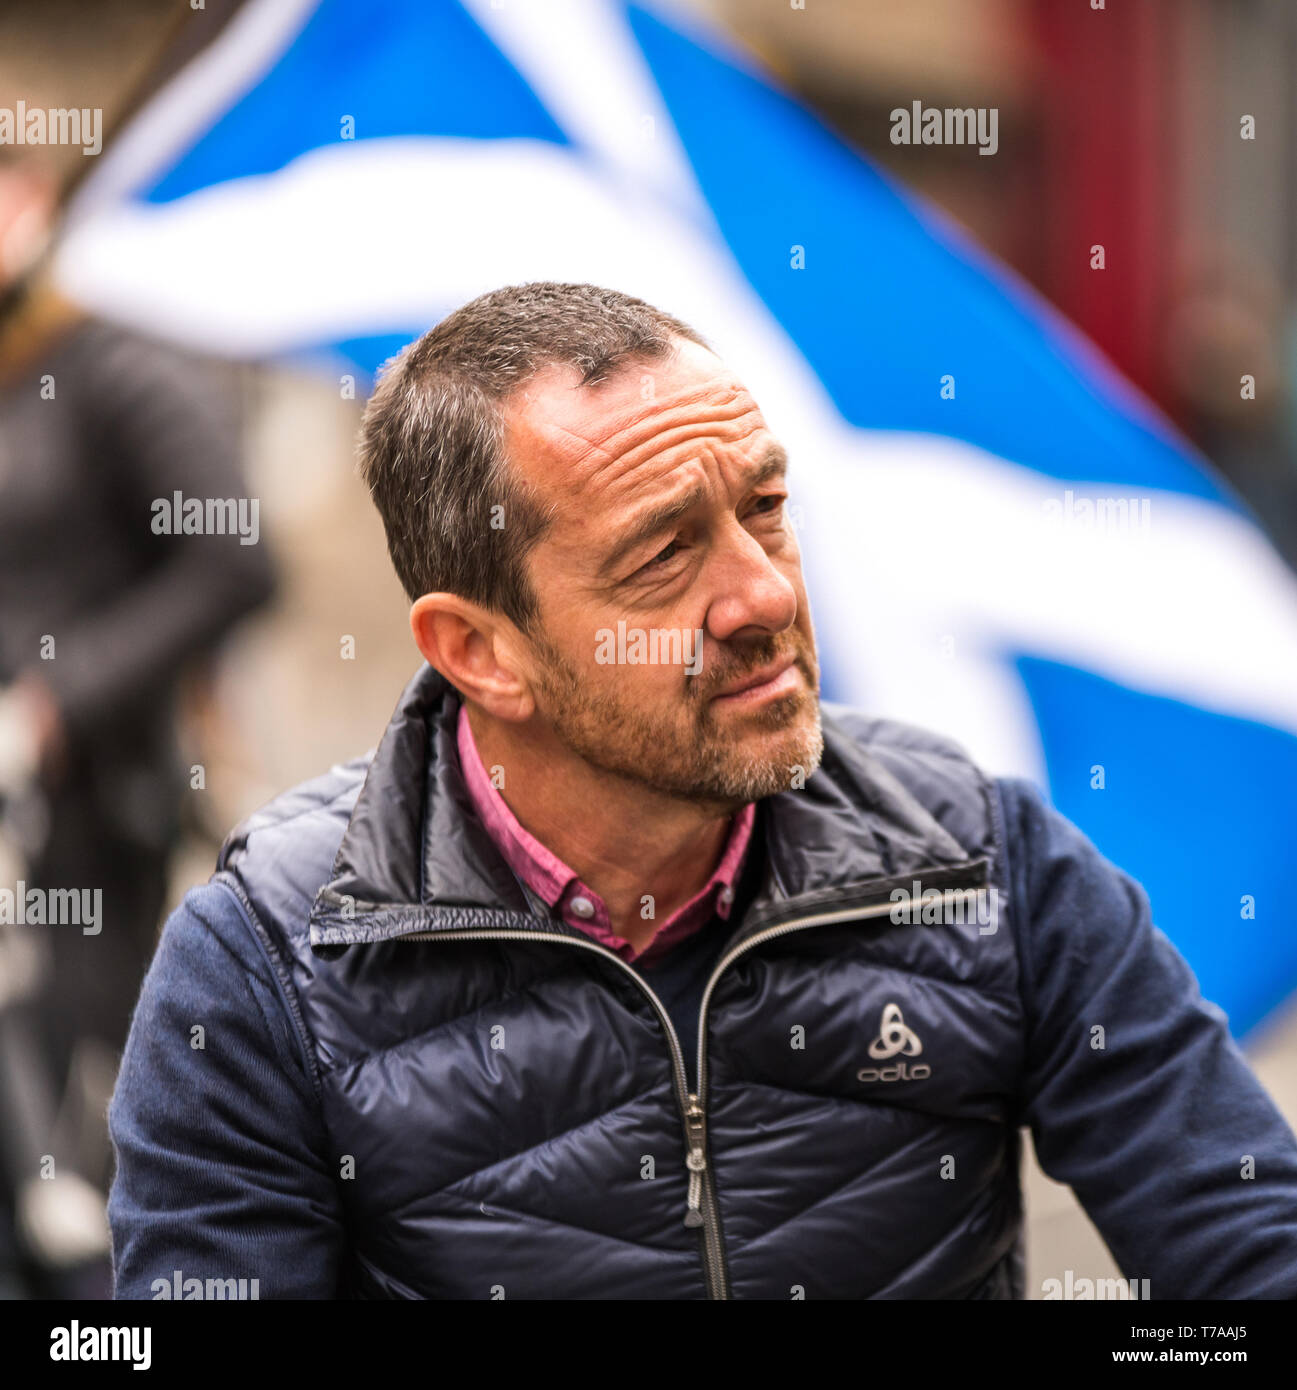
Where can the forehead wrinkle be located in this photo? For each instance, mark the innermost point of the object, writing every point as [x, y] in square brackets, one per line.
[635, 428]
[643, 471]
[615, 459]
[663, 442]
[624, 429]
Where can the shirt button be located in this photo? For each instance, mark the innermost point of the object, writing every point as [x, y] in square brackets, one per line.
[583, 907]
[726, 896]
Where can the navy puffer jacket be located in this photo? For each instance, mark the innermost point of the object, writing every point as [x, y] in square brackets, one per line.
[494, 1105]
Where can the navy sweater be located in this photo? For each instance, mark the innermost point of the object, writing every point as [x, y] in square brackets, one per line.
[223, 1169]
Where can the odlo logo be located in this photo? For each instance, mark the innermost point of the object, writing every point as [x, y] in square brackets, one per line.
[893, 1037]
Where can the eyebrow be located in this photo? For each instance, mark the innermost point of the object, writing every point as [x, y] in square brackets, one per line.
[652, 522]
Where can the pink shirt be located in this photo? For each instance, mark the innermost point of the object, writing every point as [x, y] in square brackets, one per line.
[558, 885]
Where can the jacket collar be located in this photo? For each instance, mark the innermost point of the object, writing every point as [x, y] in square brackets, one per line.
[415, 857]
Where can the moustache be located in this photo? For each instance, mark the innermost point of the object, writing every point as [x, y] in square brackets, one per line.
[757, 656]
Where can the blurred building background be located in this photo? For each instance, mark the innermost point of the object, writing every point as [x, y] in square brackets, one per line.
[1119, 128]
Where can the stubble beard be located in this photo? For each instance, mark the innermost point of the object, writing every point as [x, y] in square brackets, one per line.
[687, 753]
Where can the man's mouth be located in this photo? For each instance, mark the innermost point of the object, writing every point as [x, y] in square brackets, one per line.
[777, 678]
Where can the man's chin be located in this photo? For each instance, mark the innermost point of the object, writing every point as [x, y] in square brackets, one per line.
[762, 762]
[719, 762]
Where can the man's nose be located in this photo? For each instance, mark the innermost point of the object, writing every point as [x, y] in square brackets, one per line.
[750, 593]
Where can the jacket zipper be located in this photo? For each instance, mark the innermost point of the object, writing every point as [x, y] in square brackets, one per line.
[701, 1204]
[706, 1187]
[686, 1101]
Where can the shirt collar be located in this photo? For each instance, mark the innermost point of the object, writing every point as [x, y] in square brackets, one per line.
[559, 886]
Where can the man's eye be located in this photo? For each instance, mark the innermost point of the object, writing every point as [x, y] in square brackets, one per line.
[666, 553]
[769, 503]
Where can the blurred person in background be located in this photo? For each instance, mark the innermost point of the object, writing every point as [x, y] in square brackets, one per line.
[101, 607]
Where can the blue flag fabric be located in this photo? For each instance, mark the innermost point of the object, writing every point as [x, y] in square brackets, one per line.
[1003, 541]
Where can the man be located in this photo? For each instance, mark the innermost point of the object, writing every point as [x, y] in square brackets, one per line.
[603, 977]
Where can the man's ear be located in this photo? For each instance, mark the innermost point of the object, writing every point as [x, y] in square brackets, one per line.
[477, 651]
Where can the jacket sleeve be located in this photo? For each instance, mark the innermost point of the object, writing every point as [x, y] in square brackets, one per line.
[221, 1167]
[158, 422]
[1135, 1093]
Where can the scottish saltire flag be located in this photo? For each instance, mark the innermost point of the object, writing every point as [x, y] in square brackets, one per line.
[1002, 541]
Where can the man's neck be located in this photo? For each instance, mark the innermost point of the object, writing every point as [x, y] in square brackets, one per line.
[624, 841]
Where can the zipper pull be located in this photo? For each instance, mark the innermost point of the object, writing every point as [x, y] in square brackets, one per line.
[696, 1162]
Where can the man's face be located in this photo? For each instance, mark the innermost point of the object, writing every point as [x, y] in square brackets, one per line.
[669, 498]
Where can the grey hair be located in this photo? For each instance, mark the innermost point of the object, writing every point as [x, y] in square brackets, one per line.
[459, 518]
